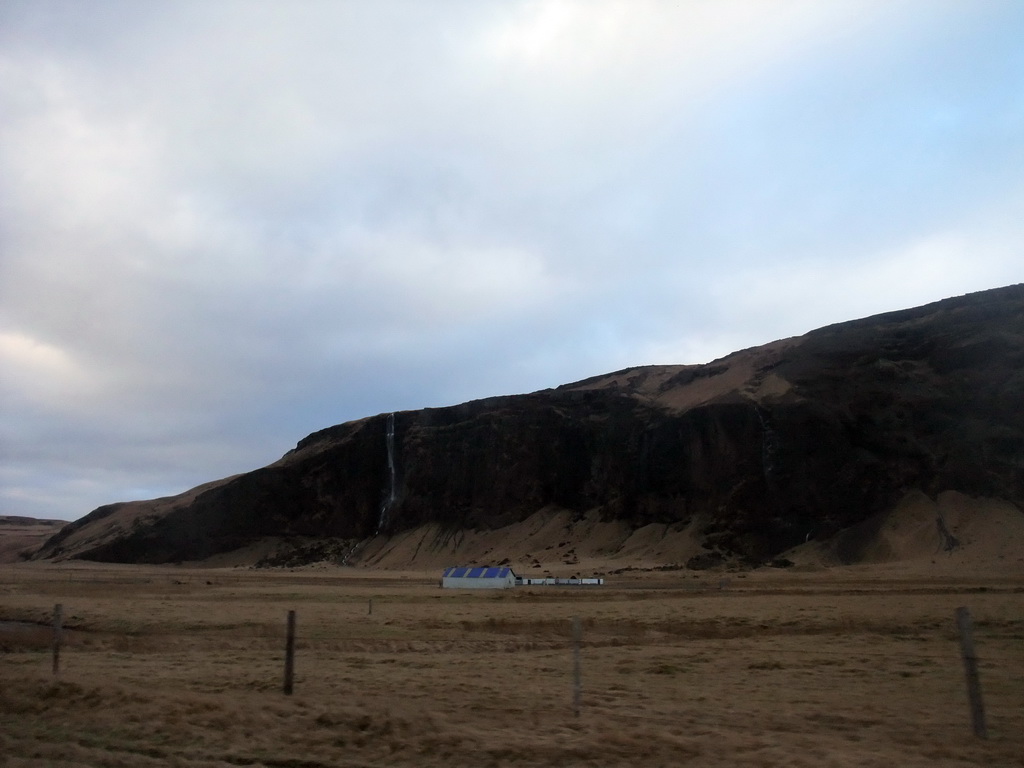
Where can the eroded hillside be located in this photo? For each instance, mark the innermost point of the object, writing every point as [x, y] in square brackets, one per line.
[750, 455]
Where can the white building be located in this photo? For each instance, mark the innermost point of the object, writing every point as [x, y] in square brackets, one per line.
[559, 581]
[478, 578]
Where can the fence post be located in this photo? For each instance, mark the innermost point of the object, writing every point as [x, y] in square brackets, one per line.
[963, 623]
[58, 619]
[289, 655]
[369, 611]
[577, 684]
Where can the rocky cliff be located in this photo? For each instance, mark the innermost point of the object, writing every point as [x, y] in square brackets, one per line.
[756, 452]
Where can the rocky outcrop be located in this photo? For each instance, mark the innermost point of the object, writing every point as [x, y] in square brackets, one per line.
[763, 449]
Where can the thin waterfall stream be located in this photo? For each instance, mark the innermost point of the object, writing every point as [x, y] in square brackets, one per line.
[389, 500]
[389, 439]
[769, 444]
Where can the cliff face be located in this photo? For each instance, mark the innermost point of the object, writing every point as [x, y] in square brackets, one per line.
[762, 449]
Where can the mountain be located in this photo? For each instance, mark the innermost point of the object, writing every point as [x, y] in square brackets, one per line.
[808, 439]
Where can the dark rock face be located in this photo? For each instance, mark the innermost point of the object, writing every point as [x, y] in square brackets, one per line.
[764, 448]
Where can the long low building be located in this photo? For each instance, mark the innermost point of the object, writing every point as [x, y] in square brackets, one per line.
[482, 577]
[559, 581]
[502, 577]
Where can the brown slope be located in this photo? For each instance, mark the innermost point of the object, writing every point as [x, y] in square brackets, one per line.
[21, 536]
[752, 454]
[681, 387]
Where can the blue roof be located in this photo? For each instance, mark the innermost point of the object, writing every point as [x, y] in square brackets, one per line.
[480, 572]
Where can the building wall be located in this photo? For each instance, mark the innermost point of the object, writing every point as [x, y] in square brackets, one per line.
[453, 582]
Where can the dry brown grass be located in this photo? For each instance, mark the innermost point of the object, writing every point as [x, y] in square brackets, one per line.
[21, 536]
[169, 666]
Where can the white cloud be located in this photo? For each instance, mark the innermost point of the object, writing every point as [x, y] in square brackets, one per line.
[776, 301]
[225, 223]
[43, 375]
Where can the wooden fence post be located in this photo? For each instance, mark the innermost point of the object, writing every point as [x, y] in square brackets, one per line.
[369, 611]
[58, 619]
[577, 684]
[963, 623]
[289, 655]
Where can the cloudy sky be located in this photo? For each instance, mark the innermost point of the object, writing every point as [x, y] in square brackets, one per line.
[224, 225]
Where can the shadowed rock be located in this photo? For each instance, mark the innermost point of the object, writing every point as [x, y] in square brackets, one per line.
[764, 449]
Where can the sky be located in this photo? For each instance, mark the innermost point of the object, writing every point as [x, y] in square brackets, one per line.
[227, 224]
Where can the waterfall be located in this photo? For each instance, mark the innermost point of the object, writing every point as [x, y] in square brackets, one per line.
[769, 444]
[949, 541]
[389, 500]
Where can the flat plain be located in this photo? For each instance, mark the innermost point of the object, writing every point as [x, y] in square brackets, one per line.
[847, 666]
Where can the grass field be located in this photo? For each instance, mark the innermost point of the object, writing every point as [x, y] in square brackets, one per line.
[173, 666]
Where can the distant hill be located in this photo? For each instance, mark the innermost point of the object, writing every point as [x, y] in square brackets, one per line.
[20, 536]
[817, 439]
